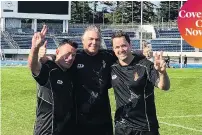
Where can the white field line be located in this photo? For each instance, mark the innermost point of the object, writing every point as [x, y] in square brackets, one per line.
[180, 126]
[185, 116]
[184, 77]
[180, 116]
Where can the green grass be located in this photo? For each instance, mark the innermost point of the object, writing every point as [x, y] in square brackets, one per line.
[184, 98]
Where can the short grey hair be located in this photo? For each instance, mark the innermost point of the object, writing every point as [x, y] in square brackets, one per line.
[92, 28]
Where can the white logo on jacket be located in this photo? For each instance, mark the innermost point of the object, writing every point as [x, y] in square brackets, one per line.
[114, 77]
[59, 82]
[103, 63]
[80, 66]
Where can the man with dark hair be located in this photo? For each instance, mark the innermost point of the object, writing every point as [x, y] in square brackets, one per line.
[54, 95]
[167, 60]
[179, 60]
[133, 79]
[185, 61]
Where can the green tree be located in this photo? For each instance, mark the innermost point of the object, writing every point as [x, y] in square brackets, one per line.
[80, 12]
[124, 12]
[169, 10]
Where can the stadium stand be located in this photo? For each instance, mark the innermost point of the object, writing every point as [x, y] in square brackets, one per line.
[4, 44]
[76, 31]
[170, 42]
[17, 35]
[167, 39]
[172, 45]
[52, 28]
[109, 33]
[7, 41]
[76, 39]
[23, 41]
[108, 43]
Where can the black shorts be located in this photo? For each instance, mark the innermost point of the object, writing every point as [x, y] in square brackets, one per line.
[94, 129]
[131, 131]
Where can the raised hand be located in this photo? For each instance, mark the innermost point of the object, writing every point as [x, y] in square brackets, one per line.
[39, 37]
[43, 32]
[159, 63]
[42, 50]
[36, 40]
[35, 55]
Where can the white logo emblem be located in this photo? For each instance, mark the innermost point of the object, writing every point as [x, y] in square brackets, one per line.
[9, 4]
[95, 95]
[80, 66]
[114, 77]
[103, 63]
[59, 82]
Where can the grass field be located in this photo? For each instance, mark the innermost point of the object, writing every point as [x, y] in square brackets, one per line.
[179, 110]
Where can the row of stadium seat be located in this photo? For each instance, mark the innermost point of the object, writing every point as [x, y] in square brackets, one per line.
[76, 39]
[24, 39]
[109, 34]
[167, 33]
[159, 45]
[4, 44]
[167, 45]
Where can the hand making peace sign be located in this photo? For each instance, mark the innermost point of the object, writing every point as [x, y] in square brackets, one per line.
[159, 63]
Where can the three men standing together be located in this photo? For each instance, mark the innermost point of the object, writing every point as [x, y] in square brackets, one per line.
[93, 72]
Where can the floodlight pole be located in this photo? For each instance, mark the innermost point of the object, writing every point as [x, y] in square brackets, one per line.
[103, 18]
[141, 26]
[132, 14]
[181, 46]
[169, 13]
[83, 12]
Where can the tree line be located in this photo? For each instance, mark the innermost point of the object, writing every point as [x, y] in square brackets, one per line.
[118, 12]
